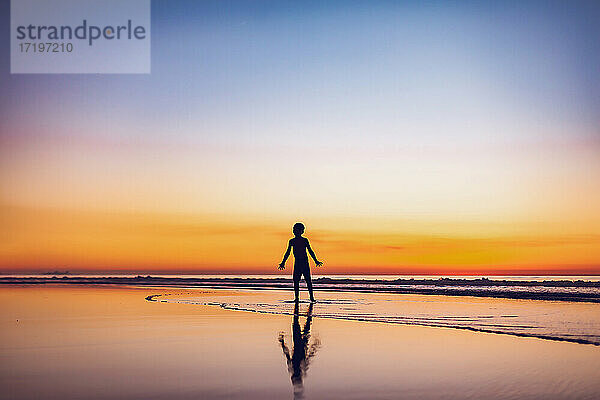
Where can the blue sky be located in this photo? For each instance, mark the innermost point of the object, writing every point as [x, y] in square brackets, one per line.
[252, 69]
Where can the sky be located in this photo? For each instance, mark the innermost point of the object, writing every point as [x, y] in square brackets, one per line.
[409, 137]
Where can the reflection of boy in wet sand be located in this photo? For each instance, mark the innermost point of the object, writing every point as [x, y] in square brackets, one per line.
[300, 245]
[302, 353]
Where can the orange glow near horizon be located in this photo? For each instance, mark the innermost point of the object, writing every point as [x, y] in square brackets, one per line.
[81, 208]
[40, 240]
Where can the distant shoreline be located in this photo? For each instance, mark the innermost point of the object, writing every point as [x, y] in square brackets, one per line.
[563, 290]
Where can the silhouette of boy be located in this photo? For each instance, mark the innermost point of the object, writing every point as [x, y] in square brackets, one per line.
[300, 245]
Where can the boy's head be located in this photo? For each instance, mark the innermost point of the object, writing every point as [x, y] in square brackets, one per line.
[298, 228]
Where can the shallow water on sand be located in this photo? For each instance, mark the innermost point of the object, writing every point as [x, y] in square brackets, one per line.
[110, 342]
[554, 320]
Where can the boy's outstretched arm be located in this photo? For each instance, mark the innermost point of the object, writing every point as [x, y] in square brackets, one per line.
[286, 255]
[285, 349]
[312, 254]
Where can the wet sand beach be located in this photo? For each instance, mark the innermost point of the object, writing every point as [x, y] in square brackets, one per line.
[97, 342]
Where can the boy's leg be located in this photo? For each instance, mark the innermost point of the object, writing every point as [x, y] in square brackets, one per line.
[308, 280]
[297, 276]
